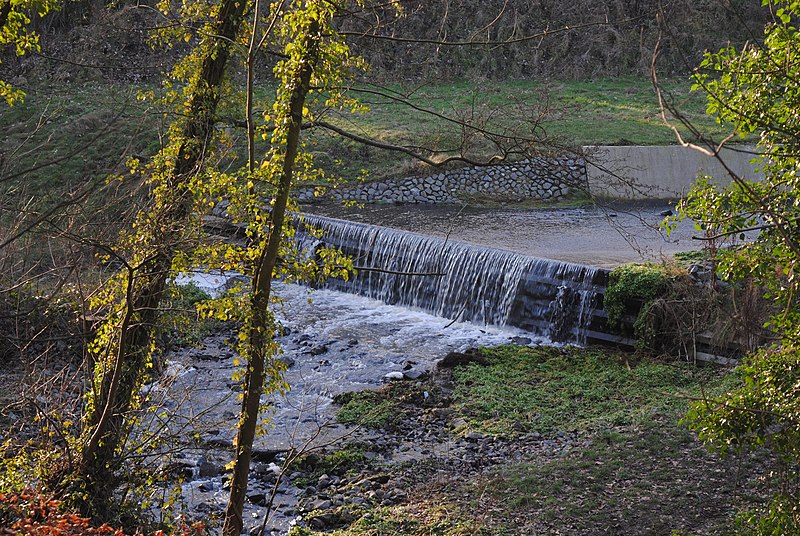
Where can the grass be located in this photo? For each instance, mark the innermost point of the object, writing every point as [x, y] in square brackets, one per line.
[365, 408]
[652, 477]
[545, 389]
[95, 127]
[619, 111]
[376, 409]
[350, 457]
[86, 131]
[441, 520]
[631, 469]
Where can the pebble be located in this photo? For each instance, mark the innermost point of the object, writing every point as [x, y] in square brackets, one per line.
[393, 376]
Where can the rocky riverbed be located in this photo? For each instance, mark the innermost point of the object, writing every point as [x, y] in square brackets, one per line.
[332, 343]
[420, 463]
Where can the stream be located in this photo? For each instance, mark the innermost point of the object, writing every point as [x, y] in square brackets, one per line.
[333, 343]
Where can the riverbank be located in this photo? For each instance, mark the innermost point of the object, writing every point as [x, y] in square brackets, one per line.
[526, 441]
[517, 440]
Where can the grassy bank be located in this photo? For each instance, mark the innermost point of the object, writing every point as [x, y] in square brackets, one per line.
[88, 130]
[627, 466]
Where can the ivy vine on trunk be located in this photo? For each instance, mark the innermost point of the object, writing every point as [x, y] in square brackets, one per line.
[124, 345]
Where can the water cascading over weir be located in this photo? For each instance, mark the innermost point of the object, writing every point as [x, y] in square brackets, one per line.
[464, 282]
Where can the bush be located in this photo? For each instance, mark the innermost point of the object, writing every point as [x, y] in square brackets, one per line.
[633, 286]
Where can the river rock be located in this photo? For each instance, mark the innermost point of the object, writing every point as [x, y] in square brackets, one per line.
[454, 359]
[322, 521]
[286, 360]
[209, 469]
[318, 350]
[265, 455]
[414, 374]
[323, 482]
[393, 376]
[258, 498]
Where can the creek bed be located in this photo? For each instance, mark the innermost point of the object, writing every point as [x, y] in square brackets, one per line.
[334, 343]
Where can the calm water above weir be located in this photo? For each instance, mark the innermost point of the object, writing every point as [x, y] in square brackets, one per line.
[603, 237]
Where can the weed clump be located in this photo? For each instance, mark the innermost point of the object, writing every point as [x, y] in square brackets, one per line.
[365, 408]
[638, 283]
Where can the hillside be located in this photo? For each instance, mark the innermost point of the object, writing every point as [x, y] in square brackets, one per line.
[427, 40]
[563, 88]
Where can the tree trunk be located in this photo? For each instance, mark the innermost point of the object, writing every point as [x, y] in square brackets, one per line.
[260, 331]
[106, 422]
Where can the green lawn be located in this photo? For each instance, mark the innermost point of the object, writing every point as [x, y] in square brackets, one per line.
[90, 129]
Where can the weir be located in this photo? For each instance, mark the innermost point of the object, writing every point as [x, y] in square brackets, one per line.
[464, 282]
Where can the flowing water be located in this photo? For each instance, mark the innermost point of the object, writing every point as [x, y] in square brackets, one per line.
[597, 236]
[415, 299]
[460, 281]
[334, 342]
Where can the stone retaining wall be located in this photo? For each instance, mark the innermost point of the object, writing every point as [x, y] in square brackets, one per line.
[615, 172]
[532, 179]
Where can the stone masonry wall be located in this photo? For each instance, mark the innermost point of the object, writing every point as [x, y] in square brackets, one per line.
[532, 179]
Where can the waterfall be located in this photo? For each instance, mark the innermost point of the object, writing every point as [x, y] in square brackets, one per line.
[460, 281]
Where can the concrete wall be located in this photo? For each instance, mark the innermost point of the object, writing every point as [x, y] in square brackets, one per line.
[657, 172]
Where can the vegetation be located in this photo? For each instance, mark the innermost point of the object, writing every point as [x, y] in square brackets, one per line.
[93, 128]
[651, 477]
[15, 32]
[28, 514]
[602, 450]
[631, 283]
[181, 324]
[546, 390]
[349, 458]
[755, 90]
[196, 160]
[366, 408]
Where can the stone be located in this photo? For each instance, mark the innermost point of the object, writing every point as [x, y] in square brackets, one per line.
[414, 374]
[259, 498]
[265, 455]
[323, 482]
[209, 469]
[458, 423]
[286, 360]
[322, 521]
[305, 337]
[453, 359]
[321, 504]
[318, 350]
[393, 376]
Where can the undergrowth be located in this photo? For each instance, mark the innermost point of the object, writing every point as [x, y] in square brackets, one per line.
[349, 458]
